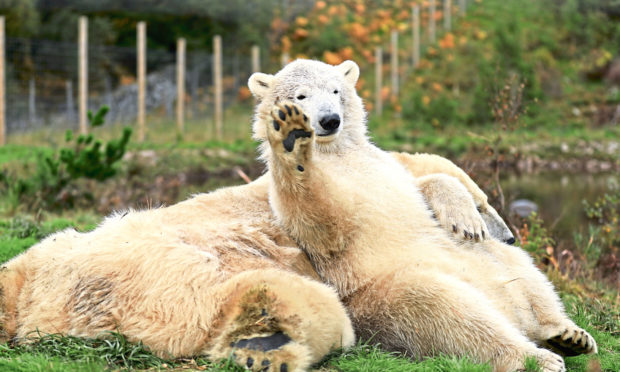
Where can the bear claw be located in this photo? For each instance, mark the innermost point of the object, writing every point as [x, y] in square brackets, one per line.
[572, 342]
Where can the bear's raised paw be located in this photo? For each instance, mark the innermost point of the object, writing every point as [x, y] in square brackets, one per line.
[290, 134]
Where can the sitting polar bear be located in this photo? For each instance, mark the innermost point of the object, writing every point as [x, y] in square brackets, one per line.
[218, 275]
[366, 228]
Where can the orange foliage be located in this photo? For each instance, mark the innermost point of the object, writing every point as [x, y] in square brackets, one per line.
[244, 93]
[302, 21]
[447, 42]
[385, 93]
[286, 44]
[323, 19]
[332, 58]
[346, 53]
[320, 5]
[360, 9]
[300, 34]
[358, 32]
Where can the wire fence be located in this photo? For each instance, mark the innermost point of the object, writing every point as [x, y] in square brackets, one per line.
[42, 83]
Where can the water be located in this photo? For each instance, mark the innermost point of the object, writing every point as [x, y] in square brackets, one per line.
[560, 198]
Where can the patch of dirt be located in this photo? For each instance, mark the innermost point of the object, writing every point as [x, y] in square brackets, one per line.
[140, 189]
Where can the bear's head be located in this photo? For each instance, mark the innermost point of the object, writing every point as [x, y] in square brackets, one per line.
[325, 93]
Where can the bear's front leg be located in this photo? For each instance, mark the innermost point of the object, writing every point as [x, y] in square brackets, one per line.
[290, 137]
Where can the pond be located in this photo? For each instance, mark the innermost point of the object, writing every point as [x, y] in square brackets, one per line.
[559, 197]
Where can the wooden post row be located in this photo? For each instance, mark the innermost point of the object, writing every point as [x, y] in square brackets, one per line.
[217, 79]
[394, 62]
[378, 80]
[431, 23]
[180, 86]
[141, 80]
[83, 73]
[447, 15]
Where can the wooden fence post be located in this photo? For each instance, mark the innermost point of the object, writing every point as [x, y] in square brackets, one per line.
[416, 35]
[83, 73]
[447, 15]
[285, 59]
[462, 7]
[69, 98]
[2, 86]
[141, 80]
[431, 23]
[180, 86]
[378, 80]
[32, 102]
[217, 79]
[394, 62]
[255, 59]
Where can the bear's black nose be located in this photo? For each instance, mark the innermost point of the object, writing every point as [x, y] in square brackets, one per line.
[330, 122]
[510, 241]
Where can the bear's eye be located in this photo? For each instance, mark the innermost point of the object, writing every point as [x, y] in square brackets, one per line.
[300, 97]
[335, 91]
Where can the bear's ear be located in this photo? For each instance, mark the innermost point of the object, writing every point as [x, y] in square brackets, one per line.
[260, 84]
[350, 70]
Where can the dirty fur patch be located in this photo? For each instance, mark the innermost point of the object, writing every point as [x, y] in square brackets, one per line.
[256, 314]
[90, 302]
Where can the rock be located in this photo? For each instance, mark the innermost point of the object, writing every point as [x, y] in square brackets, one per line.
[523, 207]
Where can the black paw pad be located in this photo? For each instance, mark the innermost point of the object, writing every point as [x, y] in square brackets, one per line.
[305, 117]
[284, 367]
[276, 125]
[250, 362]
[281, 114]
[564, 348]
[300, 168]
[272, 342]
[296, 111]
[288, 109]
[454, 228]
[289, 142]
[265, 364]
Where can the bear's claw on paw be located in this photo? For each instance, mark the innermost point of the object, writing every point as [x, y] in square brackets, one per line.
[572, 342]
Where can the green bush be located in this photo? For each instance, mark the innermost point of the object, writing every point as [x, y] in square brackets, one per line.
[84, 157]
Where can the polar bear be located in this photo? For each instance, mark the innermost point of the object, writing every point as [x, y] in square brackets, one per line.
[363, 222]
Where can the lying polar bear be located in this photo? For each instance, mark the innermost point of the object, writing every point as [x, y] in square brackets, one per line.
[218, 275]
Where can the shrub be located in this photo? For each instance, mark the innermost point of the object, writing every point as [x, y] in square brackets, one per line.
[84, 157]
